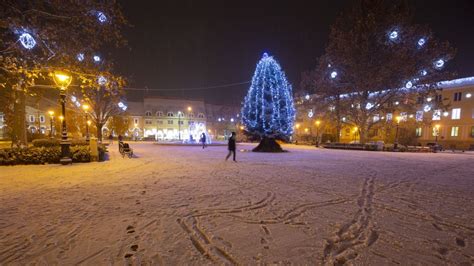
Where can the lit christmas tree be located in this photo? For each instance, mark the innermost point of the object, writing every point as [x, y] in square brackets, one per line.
[268, 111]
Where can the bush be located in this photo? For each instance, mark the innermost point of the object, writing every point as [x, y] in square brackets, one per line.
[44, 155]
[45, 142]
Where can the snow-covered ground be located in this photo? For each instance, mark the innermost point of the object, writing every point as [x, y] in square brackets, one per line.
[185, 205]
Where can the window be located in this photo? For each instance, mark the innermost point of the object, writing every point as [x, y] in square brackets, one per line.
[135, 121]
[159, 113]
[456, 114]
[42, 119]
[200, 115]
[419, 100]
[404, 116]
[191, 115]
[147, 113]
[180, 122]
[160, 122]
[457, 96]
[170, 122]
[180, 114]
[437, 114]
[191, 122]
[389, 116]
[454, 131]
[418, 131]
[439, 98]
[147, 122]
[2, 117]
[472, 132]
[32, 119]
[170, 114]
[33, 130]
[419, 116]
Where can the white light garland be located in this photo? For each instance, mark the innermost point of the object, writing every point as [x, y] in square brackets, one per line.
[27, 40]
[80, 57]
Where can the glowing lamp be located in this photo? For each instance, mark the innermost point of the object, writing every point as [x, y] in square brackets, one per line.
[306, 97]
[27, 41]
[241, 127]
[62, 79]
[445, 114]
[61, 117]
[306, 130]
[89, 122]
[317, 122]
[51, 113]
[85, 107]
[297, 126]
[469, 95]
[232, 120]
[190, 108]
[398, 118]
[437, 126]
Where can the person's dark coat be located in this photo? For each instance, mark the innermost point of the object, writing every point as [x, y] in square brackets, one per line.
[231, 144]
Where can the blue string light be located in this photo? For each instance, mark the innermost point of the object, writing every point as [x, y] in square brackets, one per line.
[268, 108]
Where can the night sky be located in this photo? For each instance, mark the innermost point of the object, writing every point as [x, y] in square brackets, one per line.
[199, 43]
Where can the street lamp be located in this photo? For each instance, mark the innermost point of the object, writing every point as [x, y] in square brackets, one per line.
[51, 118]
[190, 108]
[395, 145]
[63, 80]
[85, 107]
[179, 125]
[317, 132]
[355, 133]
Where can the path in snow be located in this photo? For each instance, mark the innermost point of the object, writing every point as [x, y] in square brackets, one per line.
[185, 205]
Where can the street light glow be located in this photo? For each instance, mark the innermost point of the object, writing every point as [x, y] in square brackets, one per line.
[62, 79]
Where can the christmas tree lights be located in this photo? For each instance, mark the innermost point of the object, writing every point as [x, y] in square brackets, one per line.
[268, 109]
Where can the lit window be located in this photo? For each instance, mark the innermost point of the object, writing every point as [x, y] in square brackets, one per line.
[456, 113]
[147, 113]
[419, 116]
[42, 119]
[437, 115]
[404, 116]
[454, 131]
[135, 120]
[170, 114]
[147, 122]
[32, 119]
[418, 132]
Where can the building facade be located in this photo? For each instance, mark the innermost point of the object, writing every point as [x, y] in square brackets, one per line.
[452, 127]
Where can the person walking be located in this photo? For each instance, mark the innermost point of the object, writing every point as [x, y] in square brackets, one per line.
[203, 140]
[231, 147]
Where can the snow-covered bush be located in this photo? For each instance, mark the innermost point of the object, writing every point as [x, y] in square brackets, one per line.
[44, 155]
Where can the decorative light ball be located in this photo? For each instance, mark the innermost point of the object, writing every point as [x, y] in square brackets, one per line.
[333, 74]
[121, 105]
[439, 63]
[369, 106]
[232, 120]
[427, 108]
[421, 42]
[445, 114]
[96, 58]
[429, 99]
[329, 65]
[306, 97]
[310, 113]
[101, 17]
[27, 40]
[397, 103]
[219, 119]
[102, 80]
[344, 119]
[469, 95]
[393, 35]
[424, 72]
[409, 85]
[80, 57]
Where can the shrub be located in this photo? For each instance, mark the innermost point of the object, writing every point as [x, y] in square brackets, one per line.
[43, 155]
[45, 142]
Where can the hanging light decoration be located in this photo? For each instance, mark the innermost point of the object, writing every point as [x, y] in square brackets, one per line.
[333, 74]
[421, 42]
[393, 35]
[409, 85]
[102, 80]
[80, 57]
[96, 58]
[439, 64]
[101, 17]
[27, 40]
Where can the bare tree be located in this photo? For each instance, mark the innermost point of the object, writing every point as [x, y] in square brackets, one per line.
[380, 58]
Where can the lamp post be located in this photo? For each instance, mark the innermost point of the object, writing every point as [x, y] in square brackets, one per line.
[63, 80]
[395, 145]
[355, 133]
[51, 118]
[85, 107]
[179, 125]
[317, 132]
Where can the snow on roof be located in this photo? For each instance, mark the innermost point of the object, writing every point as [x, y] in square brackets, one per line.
[456, 83]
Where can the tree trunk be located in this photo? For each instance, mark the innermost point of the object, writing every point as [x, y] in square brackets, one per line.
[363, 133]
[99, 127]
[268, 145]
[19, 119]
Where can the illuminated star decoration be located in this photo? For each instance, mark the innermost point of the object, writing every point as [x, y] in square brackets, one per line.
[439, 64]
[80, 57]
[421, 42]
[27, 40]
[393, 35]
[102, 80]
[101, 17]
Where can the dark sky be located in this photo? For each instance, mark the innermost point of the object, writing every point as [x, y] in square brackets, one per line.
[199, 43]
